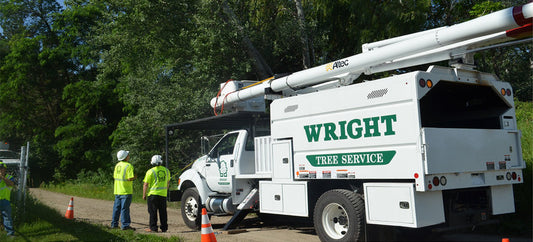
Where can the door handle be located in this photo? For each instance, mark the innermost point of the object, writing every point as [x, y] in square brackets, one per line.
[231, 163]
[207, 164]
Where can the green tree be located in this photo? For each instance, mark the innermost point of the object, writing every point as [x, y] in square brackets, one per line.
[90, 108]
[33, 74]
[511, 64]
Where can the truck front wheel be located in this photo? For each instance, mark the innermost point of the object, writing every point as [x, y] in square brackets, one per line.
[339, 216]
[191, 211]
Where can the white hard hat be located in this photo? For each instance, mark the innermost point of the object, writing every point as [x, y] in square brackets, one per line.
[122, 154]
[156, 160]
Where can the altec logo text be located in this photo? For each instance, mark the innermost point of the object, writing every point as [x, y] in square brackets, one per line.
[353, 129]
[337, 64]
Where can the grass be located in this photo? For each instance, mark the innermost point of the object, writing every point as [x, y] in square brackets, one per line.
[97, 191]
[38, 222]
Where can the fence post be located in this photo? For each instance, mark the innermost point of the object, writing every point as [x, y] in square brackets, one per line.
[23, 174]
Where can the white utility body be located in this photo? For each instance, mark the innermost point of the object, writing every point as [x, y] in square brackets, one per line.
[423, 148]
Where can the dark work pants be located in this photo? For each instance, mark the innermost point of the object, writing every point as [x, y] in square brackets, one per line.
[156, 203]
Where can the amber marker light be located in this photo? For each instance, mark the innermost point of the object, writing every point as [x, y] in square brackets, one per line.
[429, 83]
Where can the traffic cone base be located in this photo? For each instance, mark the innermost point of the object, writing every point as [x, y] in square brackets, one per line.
[207, 231]
[70, 209]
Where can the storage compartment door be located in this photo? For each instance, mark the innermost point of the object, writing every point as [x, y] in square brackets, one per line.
[295, 199]
[288, 198]
[270, 197]
[398, 204]
[282, 160]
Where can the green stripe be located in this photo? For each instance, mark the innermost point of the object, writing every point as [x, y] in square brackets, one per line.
[352, 159]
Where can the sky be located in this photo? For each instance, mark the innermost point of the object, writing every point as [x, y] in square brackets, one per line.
[61, 2]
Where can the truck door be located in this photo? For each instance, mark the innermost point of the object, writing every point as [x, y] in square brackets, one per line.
[220, 163]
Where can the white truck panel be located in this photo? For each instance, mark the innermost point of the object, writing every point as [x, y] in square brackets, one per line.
[398, 204]
[368, 117]
[472, 149]
[263, 155]
[288, 198]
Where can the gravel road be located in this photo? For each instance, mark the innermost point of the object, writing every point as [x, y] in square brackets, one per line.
[99, 212]
[251, 229]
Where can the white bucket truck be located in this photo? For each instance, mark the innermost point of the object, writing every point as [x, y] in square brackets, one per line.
[423, 148]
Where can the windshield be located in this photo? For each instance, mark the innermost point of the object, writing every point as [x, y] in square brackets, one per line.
[225, 146]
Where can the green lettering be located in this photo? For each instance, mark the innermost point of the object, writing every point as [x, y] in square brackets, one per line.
[358, 131]
[388, 121]
[329, 130]
[312, 132]
[342, 126]
[371, 129]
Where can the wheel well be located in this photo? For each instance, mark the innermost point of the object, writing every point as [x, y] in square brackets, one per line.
[186, 184]
[317, 188]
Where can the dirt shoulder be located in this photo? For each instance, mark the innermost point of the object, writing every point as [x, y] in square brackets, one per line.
[99, 212]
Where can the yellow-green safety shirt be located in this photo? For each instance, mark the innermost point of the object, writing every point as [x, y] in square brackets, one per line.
[157, 179]
[123, 172]
[5, 190]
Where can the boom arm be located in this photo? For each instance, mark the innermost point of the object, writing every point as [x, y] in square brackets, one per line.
[419, 48]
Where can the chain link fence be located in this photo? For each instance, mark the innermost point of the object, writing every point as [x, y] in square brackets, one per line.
[17, 166]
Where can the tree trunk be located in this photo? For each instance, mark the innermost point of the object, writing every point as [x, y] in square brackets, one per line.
[303, 34]
[262, 68]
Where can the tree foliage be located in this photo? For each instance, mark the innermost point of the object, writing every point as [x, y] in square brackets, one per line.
[87, 78]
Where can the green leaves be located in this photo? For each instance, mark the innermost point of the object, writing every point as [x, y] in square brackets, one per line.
[96, 76]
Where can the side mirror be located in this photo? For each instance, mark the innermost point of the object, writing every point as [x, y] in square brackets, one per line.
[205, 145]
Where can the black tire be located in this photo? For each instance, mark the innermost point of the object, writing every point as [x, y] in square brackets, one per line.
[340, 216]
[191, 208]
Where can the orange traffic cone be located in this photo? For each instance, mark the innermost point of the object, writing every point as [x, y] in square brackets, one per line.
[207, 231]
[70, 209]
[505, 240]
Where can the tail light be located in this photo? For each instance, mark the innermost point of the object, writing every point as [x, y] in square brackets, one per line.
[422, 83]
[435, 181]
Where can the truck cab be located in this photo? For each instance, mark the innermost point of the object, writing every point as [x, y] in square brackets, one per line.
[210, 180]
[223, 160]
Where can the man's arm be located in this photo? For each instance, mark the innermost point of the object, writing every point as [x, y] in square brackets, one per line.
[8, 181]
[145, 188]
[134, 175]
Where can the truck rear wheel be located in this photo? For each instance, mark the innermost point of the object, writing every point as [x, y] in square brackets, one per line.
[339, 216]
[191, 211]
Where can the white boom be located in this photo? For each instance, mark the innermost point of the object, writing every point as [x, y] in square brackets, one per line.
[409, 50]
